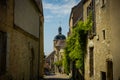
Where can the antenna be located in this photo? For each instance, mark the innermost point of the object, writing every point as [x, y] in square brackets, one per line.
[60, 29]
[60, 23]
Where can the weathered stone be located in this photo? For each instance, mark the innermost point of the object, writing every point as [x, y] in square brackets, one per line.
[24, 50]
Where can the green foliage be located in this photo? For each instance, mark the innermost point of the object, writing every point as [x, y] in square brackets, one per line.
[58, 63]
[65, 63]
[78, 64]
[76, 43]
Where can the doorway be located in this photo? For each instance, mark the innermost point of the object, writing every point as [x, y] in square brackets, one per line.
[103, 75]
[3, 52]
[109, 70]
[32, 64]
[91, 63]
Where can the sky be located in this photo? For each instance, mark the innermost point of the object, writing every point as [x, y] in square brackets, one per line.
[56, 14]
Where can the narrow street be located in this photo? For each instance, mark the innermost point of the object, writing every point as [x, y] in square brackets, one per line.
[56, 77]
[48, 39]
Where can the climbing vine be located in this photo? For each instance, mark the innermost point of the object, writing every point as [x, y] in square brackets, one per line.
[66, 62]
[76, 44]
[58, 63]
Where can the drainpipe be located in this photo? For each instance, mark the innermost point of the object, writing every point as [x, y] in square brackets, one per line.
[41, 46]
[39, 51]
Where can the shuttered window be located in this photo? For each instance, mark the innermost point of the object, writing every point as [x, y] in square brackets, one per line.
[91, 9]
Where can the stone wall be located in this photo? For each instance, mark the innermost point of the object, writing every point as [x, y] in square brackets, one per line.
[115, 27]
[86, 59]
[105, 42]
[41, 44]
[21, 56]
[23, 49]
[101, 42]
[27, 19]
[75, 15]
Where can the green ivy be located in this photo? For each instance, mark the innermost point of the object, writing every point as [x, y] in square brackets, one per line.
[65, 62]
[76, 44]
[58, 63]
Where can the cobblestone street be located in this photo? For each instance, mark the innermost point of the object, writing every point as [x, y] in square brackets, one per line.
[56, 77]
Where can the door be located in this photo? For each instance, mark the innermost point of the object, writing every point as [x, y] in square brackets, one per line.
[32, 64]
[109, 70]
[3, 42]
[103, 75]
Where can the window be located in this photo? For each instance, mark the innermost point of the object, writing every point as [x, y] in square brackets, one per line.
[103, 75]
[91, 63]
[32, 63]
[3, 52]
[91, 10]
[104, 34]
[32, 54]
[103, 3]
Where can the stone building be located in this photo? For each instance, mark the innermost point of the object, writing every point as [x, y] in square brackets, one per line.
[115, 30]
[50, 61]
[59, 43]
[102, 58]
[21, 39]
[75, 15]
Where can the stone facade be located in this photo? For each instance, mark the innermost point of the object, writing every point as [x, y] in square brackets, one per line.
[50, 61]
[104, 64]
[22, 47]
[115, 29]
[97, 58]
[75, 15]
[102, 57]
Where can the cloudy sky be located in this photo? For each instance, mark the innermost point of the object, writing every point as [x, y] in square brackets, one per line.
[56, 13]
